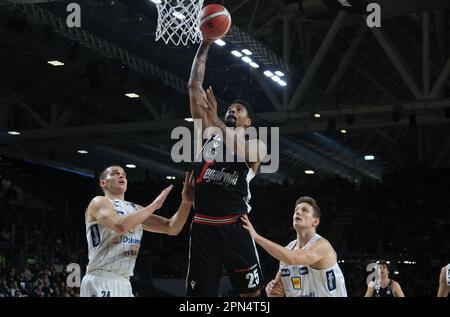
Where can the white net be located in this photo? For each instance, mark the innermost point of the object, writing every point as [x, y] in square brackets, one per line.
[178, 21]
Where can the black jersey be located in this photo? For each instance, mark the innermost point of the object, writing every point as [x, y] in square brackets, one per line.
[221, 187]
[383, 291]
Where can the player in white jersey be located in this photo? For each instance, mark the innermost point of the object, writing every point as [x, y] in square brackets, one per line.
[444, 281]
[114, 230]
[308, 266]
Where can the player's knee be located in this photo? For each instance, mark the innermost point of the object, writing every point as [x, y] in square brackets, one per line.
[256, 293]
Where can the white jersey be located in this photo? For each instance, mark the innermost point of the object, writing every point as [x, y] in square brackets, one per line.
[303, 281]
[110, 251]
[448, 274]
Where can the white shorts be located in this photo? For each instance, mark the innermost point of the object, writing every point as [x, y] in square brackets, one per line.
[105, 284]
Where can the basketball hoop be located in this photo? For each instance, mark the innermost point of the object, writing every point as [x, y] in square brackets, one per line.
[178, 21]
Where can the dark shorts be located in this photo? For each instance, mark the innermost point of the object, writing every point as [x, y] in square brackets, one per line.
[212, 246]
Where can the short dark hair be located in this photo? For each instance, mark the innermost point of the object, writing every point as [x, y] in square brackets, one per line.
[385, 264]
[104, 173]
[309, 200]
[247, 106]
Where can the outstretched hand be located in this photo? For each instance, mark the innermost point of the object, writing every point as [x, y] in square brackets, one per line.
[248, 225]
[159, 201]
[188, 188]
[211, 105]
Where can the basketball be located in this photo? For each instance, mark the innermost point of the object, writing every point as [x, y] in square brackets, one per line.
[215, 21]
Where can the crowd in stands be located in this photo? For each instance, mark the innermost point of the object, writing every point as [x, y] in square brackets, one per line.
[405, 217]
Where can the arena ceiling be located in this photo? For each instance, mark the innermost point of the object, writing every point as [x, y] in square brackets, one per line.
[387, 87]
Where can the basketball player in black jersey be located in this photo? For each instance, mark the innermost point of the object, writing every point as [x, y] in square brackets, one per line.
[222, 193]
[385, 287]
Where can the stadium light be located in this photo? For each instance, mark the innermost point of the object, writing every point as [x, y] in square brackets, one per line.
[132, 95]
[247, 59]
[220, 42]
[275, 78]
[236, 53]
[55, 63]
[178, 15]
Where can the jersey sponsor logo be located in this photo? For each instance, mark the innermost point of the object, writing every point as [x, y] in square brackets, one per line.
[285, 272]
[303, 270]
[125, 240]
[331, 280]
[296, 282]
[221, 177]
[193, 284]
[95, 235]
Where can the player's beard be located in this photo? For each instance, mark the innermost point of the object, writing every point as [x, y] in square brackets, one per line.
[230, 123]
